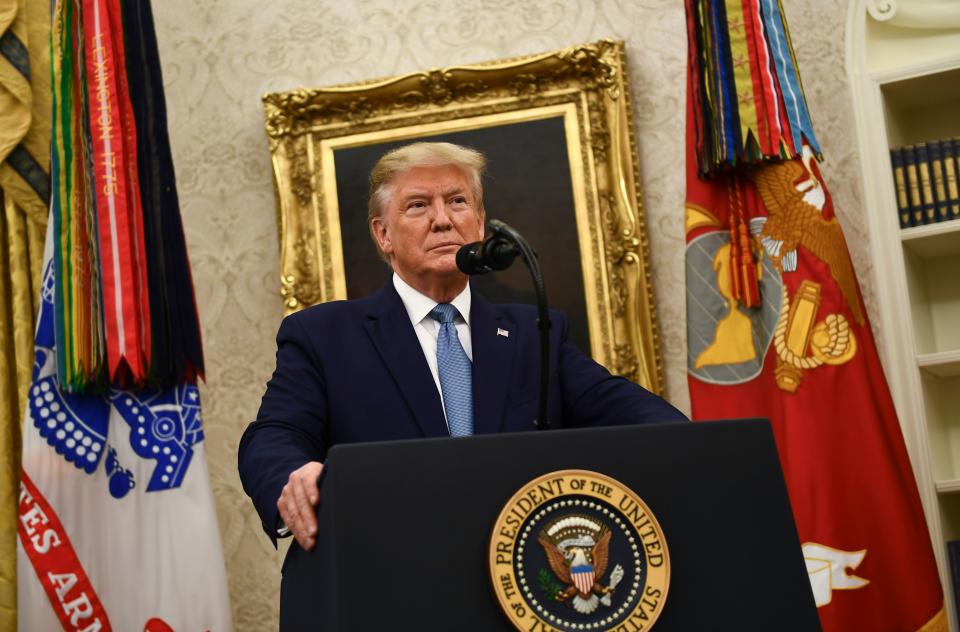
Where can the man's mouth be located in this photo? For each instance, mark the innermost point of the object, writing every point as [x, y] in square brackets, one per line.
[445, 246]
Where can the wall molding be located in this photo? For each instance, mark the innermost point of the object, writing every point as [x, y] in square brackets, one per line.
[917, 14]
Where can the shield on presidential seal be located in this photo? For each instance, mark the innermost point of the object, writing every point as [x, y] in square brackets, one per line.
[582, 577]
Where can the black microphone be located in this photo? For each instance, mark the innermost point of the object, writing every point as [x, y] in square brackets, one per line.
[480, 257]
[497, 253]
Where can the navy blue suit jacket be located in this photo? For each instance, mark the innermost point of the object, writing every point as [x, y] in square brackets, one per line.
[352, 371]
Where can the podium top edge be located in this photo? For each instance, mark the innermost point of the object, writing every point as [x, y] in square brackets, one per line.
[753, 424]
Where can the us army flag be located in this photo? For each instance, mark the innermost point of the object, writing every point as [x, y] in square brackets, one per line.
[776, 328]
[117, 529]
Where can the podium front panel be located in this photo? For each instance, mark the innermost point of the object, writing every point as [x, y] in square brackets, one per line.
[405, 527]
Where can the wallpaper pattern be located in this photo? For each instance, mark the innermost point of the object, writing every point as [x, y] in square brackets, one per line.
[220, 56]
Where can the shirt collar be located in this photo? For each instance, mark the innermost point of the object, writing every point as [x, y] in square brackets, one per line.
[419, 305]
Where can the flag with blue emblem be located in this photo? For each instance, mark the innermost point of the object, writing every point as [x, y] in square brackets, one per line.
[117, 528]
[117, 524]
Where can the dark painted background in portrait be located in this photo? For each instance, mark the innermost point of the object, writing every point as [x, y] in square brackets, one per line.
[527, 185]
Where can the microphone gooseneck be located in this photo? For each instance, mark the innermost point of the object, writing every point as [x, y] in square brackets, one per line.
[497, 253]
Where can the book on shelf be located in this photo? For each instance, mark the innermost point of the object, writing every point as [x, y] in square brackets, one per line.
[940, 201]
[951, 168]
[953, 556]
[899, 178]
[913, 186]
[927, 181]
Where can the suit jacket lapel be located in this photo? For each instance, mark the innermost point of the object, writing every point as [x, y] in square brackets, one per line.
[388, 325]
[493, 354]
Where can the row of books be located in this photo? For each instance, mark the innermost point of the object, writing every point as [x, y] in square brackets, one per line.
[926, 177]
[953, 556]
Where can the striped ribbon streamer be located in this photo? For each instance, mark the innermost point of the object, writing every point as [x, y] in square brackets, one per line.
[750, 101]
[63, 203]
[117, 195]
[121, 267]
[801, 127]
[177, 348]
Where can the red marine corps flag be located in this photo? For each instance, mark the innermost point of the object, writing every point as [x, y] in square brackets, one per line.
[777, 328]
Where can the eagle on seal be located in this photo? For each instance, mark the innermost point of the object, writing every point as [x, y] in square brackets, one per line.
[580, 569]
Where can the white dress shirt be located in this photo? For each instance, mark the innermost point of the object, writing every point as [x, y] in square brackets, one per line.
[418, 309]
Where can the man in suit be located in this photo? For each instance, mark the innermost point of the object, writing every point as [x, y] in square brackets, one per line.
[422, 357]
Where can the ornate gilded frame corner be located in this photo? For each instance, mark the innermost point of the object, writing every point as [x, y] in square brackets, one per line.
[586, 85]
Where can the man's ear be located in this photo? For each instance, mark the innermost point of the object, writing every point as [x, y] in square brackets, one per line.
[378, 228]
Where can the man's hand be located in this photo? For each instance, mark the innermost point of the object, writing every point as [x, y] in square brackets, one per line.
[298, 501]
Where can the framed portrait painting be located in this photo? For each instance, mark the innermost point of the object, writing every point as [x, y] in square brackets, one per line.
[562, 169]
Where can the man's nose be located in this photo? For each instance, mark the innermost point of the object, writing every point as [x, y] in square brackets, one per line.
[441, 215]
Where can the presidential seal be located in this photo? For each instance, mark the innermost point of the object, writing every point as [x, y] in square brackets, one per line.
[577, 550]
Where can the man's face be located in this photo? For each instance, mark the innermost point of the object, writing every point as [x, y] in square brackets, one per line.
[431, 213]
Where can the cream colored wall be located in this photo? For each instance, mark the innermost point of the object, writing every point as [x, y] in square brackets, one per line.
[220, 56]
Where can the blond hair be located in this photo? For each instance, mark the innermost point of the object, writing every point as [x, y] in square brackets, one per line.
[421, 154]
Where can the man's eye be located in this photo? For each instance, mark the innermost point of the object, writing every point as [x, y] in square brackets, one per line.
[417, 205]
[459, 200]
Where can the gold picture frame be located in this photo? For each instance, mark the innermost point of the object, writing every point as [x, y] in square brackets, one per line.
[578, 96]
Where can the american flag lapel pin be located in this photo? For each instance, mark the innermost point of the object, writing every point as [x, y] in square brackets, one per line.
[503, 332]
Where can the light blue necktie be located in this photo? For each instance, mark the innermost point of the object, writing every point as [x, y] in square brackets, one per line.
[456, 373]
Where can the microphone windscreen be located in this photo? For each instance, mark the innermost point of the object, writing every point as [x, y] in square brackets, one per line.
[468, 260]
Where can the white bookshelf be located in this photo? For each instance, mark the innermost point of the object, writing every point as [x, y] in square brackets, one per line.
[903, 63]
